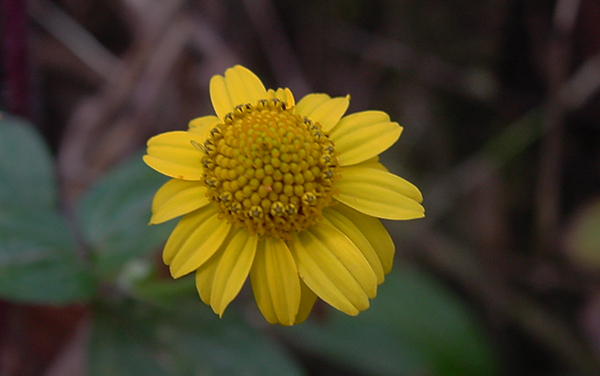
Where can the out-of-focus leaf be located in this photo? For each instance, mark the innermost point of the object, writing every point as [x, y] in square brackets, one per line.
[182, 340]
[123, 346]
[583, 240]
[163, 292]
[27, 182]
[227, 346]
[421, 326]
[38, 263]
[352, 345]
[114, 216]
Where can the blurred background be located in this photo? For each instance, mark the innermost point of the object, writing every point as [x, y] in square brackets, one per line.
[501, 114]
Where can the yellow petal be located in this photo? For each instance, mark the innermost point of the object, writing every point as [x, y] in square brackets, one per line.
[373, 163]
[287, 96]
[373, 230]
[353, 233]
[239, 86]
[195, 239]
[311, 101]
[203, 125]
[283, 94]
[363, 135]
[260, 285]
[275, 282]
[329, 113]
[204, 277]
[243, 86]
[219, 96]
[173, 154]
[379, 194]
[333, 268]
[177, 197]
[233, 269]
[307, 301]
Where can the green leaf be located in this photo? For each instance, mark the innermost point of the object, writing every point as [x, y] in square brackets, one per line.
[122, 346]
[213, 344]
[163, 292]
[38, 263]
[352, 345]
[27, 181]
[132, 338]
[414, 326]
[114, 216]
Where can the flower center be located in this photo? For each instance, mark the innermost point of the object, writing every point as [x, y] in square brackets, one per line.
[269, 170]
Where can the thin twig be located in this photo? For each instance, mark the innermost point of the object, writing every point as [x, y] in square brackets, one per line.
[277, 47]
[209, 43]
[442, 252]
[74, 37]
[15, 59]
[426, 68]
[548, 188]
[583, 85]
[90, 119]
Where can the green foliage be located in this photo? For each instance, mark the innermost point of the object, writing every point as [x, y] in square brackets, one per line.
[114, 216]
[121, 345]
[415, 326]
[38, 263]
[27, 181]
[131, 338]
[38, 260]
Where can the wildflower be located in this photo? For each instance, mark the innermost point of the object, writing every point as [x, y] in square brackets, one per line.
[287, 193]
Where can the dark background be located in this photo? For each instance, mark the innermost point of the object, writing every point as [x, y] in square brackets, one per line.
[498, 99]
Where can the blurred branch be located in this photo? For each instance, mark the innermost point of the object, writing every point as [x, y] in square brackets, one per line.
[473, 274]
[475, 83]
[565, 15]
[471, 173]
[78, 156]
[554, 333]
[15, 67]
[279, 52]
[557, 64]
[512, 140]
[583, 85]
[74, 37]
[209, 43]
[151, 87]
[160, 64]
[72, 357]
[488, 286]
[106, 126]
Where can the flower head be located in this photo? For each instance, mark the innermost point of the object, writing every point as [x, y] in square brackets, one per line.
[288, 193]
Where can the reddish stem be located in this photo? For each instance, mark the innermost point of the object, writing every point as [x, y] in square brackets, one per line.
[16, 62]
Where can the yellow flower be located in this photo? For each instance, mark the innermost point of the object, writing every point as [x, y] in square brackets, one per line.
[288, 193]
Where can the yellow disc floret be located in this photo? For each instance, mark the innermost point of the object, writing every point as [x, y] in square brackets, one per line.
[269, 170]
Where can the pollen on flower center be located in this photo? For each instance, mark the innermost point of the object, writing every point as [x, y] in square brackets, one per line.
[269, 170]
